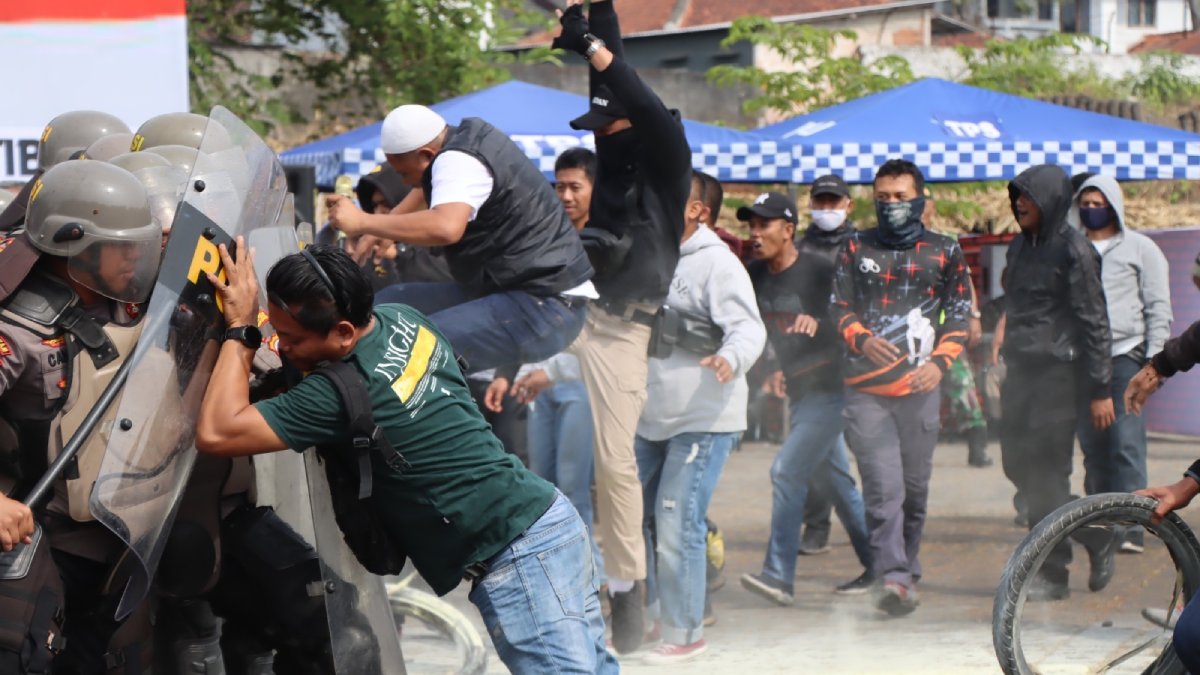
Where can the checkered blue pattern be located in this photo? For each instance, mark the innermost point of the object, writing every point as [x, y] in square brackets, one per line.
[1124, 160]
[765, 162]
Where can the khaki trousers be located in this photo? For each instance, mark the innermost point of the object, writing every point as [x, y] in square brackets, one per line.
[613, 357]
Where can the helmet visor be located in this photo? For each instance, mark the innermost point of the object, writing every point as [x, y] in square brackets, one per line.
[122, 268]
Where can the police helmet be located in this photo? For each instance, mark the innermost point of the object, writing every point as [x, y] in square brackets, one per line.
[72, 132]
[107, 147]
[180, 156]
[135, 161]
[97, 216]
[181, 128]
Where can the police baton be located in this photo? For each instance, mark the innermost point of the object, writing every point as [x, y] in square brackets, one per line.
[42, 488]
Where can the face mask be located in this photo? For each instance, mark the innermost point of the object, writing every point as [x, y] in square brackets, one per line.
[900, 222]
[1095, 218]
[616, 149]
[828, 220]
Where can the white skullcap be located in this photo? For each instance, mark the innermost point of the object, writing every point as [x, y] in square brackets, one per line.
[409, 127]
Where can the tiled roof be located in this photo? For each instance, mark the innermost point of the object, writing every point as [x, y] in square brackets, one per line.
[1184, 43]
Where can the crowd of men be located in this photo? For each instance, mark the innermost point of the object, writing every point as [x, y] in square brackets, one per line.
[609, 308]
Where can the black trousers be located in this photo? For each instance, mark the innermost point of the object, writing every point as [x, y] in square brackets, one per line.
[1037, 437]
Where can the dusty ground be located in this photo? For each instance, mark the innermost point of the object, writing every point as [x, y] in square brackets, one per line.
[969, 537]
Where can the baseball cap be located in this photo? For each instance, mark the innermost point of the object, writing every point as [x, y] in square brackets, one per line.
[830, 185]
[769, 205]
[602, 109]
[409, 127]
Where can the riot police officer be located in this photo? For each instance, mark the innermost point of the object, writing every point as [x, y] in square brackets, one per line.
[89, 255]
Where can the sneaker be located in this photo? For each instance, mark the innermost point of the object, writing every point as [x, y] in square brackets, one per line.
[861, 585]
[1158, 617]
[814, 542]
[1131, 547]
[628, 619]
[775, 591]
[897, 599]
[667, 653]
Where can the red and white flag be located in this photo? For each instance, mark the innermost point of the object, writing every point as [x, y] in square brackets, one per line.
[125, 57]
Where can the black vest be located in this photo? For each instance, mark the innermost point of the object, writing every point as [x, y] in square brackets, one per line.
[521, 238]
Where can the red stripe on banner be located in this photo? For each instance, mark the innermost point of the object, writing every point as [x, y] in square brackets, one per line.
[14, 11]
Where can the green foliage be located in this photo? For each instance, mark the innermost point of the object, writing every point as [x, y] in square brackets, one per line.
[360, 57]
[1035, 67]
[1161, 81]
[820, 79]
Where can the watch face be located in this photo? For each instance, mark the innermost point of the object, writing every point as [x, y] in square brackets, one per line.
[252, 337]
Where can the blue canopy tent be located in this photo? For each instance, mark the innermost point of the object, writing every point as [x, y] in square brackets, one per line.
[537, 118]
[955, 132]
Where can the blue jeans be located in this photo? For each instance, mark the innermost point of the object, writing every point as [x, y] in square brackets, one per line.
[1187, 636]
[678, 478]
[539, 599]
[499, 329]
[1114, 460]
[560, 448]
[813, 450]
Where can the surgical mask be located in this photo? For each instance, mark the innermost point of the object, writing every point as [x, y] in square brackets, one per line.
[828, 220]
[900, 224]
[1095, 218]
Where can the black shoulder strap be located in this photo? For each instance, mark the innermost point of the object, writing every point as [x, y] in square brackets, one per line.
[365, 434]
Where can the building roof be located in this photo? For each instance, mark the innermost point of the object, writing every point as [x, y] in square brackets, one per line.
[1187, 42]
[649, 17]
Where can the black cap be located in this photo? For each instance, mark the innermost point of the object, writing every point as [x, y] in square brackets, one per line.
[769, 205]
[602, 110]
[830, 185]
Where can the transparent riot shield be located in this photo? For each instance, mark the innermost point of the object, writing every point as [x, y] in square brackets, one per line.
[239, 189]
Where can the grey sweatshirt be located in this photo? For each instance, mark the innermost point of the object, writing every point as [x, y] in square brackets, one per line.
[1136, 283]
[681, 395]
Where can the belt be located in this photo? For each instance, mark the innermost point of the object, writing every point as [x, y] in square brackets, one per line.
[475, 572]
[572, 301]
[627, 312]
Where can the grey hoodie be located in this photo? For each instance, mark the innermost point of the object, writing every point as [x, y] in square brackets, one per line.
[1135, 275]
[681, 395]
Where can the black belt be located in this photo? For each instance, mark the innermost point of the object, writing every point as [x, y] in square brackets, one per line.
[627, 312]
[475, 572]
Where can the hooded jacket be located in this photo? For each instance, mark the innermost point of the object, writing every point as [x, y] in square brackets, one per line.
[1137, 286]
[1054, 296]
[681, 395]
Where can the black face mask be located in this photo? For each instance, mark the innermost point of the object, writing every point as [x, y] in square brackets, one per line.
[900, 224]
[617, 150]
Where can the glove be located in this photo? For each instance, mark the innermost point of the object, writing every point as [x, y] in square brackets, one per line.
[574, 27]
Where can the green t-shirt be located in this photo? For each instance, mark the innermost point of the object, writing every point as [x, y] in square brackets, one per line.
[464, 498]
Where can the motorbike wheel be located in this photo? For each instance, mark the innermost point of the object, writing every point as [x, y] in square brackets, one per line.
[1101, 509]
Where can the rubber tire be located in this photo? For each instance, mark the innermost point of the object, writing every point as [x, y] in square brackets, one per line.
[1054, 528]
[444, 618]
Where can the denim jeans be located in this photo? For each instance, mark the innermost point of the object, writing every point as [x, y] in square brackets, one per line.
[560, 448]
[1187, 636]
[813, 450]
[539, 599]
[494, 330]
[678, 478]
[1114, 460]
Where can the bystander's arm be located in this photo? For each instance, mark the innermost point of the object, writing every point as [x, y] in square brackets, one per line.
[1086, 296]
[442, 225]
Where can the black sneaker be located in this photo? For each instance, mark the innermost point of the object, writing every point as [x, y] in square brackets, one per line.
[857, 587]
[1101, 544]
[628, 618]
[775, 591]
[814, 542]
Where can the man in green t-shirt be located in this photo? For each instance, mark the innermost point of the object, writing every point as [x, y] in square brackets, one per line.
[460, 507]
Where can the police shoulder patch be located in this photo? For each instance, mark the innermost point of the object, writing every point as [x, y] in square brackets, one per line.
[5, 350]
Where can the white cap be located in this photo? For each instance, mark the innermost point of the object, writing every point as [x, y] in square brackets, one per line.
[409, 127]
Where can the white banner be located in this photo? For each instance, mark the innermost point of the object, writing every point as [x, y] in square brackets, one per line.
[18, 152]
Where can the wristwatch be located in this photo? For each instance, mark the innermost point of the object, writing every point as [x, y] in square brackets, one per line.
[250, 336]
[594, 45]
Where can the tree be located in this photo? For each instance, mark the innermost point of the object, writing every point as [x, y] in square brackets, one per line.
[820, 80]
[363, 57]
[1034, 67]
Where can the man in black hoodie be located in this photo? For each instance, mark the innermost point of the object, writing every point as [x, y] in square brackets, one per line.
[1057, 347]
[643, 181]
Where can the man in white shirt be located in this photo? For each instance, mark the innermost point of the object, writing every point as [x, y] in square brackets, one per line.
[521, 277]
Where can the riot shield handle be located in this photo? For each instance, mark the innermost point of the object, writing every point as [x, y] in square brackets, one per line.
[42, 488]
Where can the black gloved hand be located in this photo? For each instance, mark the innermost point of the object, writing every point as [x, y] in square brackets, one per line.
[574, 27]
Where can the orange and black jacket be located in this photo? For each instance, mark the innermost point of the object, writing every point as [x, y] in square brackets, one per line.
[918, 299]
